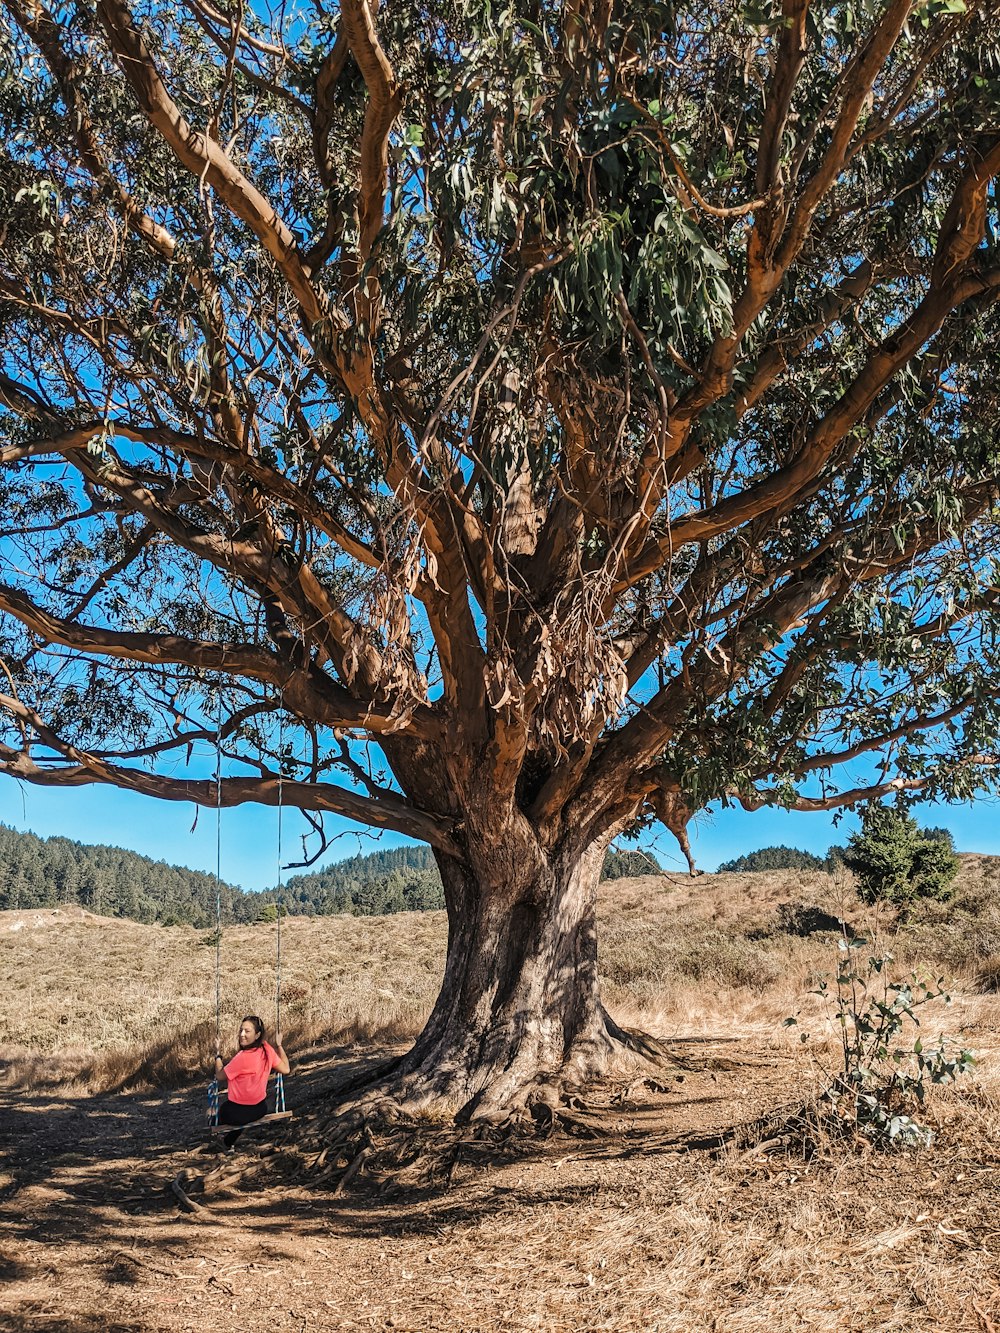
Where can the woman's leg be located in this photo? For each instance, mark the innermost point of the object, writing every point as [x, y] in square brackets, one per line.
[238, 1115]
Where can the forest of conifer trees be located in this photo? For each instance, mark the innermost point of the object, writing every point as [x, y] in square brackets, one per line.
[112, 881]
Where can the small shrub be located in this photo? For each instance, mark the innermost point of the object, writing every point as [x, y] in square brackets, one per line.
[635, 959]
[730, 961]
[803, 919]
[884, 1075]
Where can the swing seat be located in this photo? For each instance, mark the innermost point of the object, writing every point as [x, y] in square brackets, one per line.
[264, 1120]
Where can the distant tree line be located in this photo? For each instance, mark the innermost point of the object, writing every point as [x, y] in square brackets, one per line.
[778, 858]
[891, 858]
[792, 858]
[392, 879]
[631, 862]
[111, 881]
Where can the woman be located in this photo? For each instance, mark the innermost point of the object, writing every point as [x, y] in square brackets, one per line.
[246, 1077]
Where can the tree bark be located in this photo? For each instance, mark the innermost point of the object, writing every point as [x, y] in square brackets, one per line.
[519, 1018]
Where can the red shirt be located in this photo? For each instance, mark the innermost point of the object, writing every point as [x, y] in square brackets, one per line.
[246, 1074]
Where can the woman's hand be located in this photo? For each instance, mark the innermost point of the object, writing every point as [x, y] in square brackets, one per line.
[277, 1040]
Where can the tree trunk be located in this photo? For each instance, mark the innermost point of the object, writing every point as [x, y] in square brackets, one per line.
[519, 1016]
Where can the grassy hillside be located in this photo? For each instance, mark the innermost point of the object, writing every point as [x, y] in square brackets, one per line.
[116, 1001]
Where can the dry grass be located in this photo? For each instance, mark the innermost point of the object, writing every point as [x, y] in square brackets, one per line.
[105, 1004]
[749, 1243]
[811, 1250]
[113, 1004]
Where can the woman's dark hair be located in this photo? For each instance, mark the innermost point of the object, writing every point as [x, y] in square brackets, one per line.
[258, 1027]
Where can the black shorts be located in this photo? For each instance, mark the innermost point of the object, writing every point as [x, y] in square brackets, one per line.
[241, 1113]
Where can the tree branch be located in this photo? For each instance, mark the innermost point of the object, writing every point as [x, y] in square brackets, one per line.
[855, 795]
[772, 245]
[693, 193]
[777, 493]
[206, 159]
[307, 691]
[389, 810]
[788, 65]
[296, 587]
[38, 24]
[326, 87]
[827, 760]
[380, 115]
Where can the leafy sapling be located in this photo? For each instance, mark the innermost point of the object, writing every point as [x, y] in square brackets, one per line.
[885, 1070]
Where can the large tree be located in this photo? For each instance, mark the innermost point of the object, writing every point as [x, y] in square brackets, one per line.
[501, 426]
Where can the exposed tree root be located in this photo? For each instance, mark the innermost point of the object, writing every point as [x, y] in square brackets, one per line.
[451, 1086]
[381, 1141]
[390, 1153]
[413, 1126]
[773, 1129]
[642, 1044]
[627, 1091]
[181, 1195]
[383, 1144]
[387, 1150]
[384, 1147]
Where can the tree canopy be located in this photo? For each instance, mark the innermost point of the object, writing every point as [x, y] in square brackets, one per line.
[501, 424]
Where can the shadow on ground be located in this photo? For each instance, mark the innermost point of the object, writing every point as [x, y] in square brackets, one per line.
[82, 1167]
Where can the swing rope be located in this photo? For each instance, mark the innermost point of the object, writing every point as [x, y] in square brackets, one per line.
[279, 1081]
[213, 1087]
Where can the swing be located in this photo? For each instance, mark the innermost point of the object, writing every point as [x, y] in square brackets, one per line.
[280, 1112]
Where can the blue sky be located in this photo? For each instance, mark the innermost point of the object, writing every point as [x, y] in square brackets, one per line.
[162, 830]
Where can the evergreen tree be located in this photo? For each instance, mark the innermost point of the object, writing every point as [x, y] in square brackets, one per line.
[895, 861]
[630, 862]
[941, 835]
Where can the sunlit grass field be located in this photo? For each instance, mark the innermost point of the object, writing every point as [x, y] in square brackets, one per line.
[99, 1003]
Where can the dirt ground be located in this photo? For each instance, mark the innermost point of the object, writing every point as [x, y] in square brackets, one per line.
[634, 1231]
